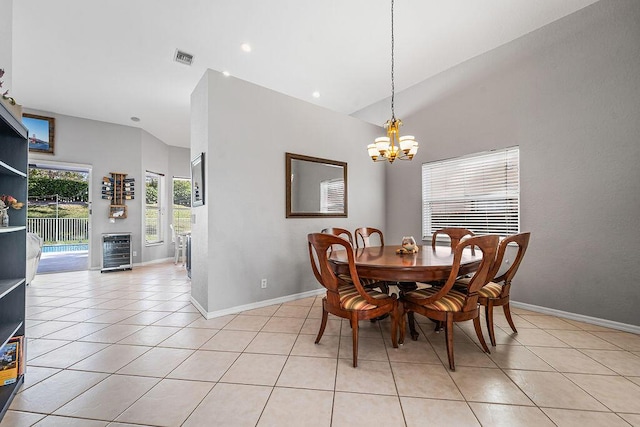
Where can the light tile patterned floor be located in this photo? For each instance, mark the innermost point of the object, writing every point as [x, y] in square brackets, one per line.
[127, 348]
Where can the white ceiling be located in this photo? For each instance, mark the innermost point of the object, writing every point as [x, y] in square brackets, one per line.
[110, 60]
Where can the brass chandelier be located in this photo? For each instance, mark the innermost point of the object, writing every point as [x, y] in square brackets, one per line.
[393, 146]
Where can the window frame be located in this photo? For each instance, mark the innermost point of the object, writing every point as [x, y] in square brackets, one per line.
[177, 227]
[160, 202]
[479, 198]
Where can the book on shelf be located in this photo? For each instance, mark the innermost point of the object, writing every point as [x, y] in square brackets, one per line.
[21, 350]
[11, 363]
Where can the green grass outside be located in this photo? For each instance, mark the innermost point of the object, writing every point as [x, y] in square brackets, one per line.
[64, 211]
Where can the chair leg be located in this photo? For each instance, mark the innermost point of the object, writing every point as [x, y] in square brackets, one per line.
[394, 327]
[323, 324]
[448, 332]
[354, 331]
[507, 314]
[402, 324]
[488, 317]
[412, 326]
[476, 325]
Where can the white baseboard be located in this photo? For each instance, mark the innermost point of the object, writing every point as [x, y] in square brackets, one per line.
[153, 261]
[254, 305]
[140, 264]
[635, 329]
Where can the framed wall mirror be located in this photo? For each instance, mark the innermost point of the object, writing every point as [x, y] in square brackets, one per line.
[315, 187]
[197, 181]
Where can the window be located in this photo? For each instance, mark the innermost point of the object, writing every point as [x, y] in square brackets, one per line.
[181, 205]
[153, 205]
[332, 195]
[480, 192]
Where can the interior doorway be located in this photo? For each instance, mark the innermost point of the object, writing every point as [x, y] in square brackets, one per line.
[59, 211]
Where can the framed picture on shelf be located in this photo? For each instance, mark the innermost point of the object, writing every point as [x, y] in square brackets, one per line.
[41, 132]
[197, 181]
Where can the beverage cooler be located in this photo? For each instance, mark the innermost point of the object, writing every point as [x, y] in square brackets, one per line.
[116, 251]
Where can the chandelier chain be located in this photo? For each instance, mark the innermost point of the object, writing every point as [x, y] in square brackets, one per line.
[393, 91]
[393, 146]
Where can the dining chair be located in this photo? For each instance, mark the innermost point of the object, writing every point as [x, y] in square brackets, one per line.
[449, 305]
[496, 292]
[455, 236]
[179, 245]
[340, 232]
[364, 234]
[348, 300]
[346, 234]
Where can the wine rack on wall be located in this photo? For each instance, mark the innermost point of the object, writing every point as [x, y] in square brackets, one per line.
[118, 189]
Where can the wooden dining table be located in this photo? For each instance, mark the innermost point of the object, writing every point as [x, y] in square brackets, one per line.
[384, 264]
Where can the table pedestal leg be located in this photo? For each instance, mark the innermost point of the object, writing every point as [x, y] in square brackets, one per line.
[405, 287]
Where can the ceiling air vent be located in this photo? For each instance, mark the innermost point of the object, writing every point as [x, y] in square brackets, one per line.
[183, 57]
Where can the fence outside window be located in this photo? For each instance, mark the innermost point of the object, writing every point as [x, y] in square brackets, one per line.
[60, 230]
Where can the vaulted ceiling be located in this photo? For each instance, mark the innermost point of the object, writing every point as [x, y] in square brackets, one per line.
[113, 60]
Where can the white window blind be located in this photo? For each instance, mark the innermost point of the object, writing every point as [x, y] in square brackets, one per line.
[332, 195]
[480, 192]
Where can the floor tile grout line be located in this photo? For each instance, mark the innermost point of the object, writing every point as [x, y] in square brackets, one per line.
[564, 376]
[431, 343]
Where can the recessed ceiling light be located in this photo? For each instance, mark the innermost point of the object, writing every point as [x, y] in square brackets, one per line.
[135, 119]
[226, 73]
[316, 94]
[245, 47]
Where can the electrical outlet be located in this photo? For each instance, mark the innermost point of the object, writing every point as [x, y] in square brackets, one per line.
[135, 253]
[263, 283]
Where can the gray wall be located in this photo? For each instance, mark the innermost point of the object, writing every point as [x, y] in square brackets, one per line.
[108, 148]
[6, 49]
[245, 131]
[568, 95]
[200, 250]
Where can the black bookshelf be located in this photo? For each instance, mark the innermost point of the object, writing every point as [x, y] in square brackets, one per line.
[13, 181]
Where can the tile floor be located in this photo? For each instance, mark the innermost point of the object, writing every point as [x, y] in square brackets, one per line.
[127, 348]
